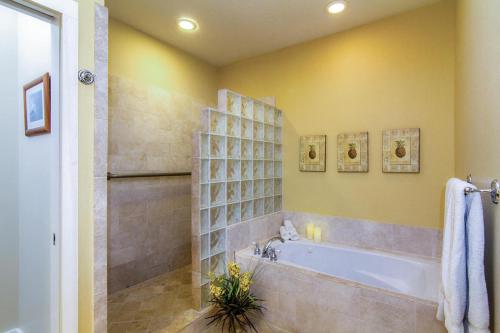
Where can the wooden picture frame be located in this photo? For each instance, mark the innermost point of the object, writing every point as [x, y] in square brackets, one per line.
[352, 152]
[312, 153]
[401, 150]
[37, 106]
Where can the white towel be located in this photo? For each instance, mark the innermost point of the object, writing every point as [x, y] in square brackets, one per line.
[463, 300]
[294, 235]
[284, 233]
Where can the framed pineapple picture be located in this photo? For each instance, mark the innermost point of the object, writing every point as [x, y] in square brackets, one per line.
[401, 150]
[352, 152]
[312, 153]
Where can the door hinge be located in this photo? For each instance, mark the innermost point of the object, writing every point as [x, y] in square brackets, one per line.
[54, 239]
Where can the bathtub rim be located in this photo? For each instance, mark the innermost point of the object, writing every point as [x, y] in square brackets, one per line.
[286, 265]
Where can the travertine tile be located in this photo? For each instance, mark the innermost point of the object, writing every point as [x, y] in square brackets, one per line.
[424, 242]
[420, 241]
[150, 228]
[426, 321]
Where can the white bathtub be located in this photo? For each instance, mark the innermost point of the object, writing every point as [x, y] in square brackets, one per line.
[406, 275]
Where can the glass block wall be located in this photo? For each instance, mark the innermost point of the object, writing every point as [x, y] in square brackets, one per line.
[237, 176]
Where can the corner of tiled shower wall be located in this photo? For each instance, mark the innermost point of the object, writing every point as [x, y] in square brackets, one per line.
[148, 218]
[236, 182]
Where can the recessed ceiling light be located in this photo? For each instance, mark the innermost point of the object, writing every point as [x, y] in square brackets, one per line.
[187, 24]
[336, 7]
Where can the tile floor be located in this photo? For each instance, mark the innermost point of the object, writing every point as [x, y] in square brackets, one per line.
[158, 305]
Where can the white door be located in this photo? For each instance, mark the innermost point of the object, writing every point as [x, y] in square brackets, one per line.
[33, 190]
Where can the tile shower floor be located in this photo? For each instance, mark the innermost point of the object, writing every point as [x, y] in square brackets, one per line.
[158, 305]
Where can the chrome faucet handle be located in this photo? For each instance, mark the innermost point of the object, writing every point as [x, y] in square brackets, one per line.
[256, 249]
[272, 254]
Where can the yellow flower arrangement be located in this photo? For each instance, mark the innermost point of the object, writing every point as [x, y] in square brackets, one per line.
[233, 302]
[233, 269]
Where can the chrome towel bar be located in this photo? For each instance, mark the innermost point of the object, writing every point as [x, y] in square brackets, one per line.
[147, 175]
[494, 189]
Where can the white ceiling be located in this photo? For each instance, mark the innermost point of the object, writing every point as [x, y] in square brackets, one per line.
[231, 30]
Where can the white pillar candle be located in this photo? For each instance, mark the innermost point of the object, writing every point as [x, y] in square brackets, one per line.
[317, 234]
[310, 230]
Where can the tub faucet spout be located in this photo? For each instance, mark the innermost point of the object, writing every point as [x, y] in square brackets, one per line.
[267, 247]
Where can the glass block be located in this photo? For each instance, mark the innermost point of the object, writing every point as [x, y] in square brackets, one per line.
[217, 172]
[268, 205]
[246, 210]
[246, 190]
[204, 221]
[278, 155]
[278, 203]
[205, 295]
[268, 187]
[233, 148]
[258, 150]
[205, 270]
[205, 170]
[278, 170]
[268, 114]
[233, 213]
[204, 246]
[269, 133]
[246, 149]
[246, 128]
[233, 126]
[205, 121]
[233, 192]
[217, 217]
[246, 170]
[258, 169]
[217, 194]
[218, 264]
[246, 107]
[217, 146]
[204, 195]
[268, 151]
[258, 207]
[278, 186]
[217, 122]
[217, 241]
[258, 131]
[258, 188]
[233, 170]
[278, 118]
[268, 169]
[258, 111]
[277, 134]
[233, 103]
[204, 148]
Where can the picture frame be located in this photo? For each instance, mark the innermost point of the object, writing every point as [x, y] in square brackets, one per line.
[352, 152]
[401, 150]
[312, 153]
[37, 103]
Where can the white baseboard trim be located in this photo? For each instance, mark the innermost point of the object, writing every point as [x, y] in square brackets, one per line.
[14, 330]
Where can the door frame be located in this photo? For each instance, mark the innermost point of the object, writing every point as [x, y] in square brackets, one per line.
[65, 310]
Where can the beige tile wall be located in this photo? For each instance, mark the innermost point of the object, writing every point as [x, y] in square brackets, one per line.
[149, 227]
[423, 242]
[100, 167]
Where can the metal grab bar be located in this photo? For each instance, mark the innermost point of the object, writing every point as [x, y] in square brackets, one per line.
[494, 189]
[147, 175]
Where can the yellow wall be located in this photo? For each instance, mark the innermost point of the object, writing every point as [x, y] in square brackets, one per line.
[478, 116]
[85, 168]
[143, 59]
[394, 73]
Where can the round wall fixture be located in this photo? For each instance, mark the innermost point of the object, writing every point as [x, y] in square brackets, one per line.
[336, 7]
[187, 24]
